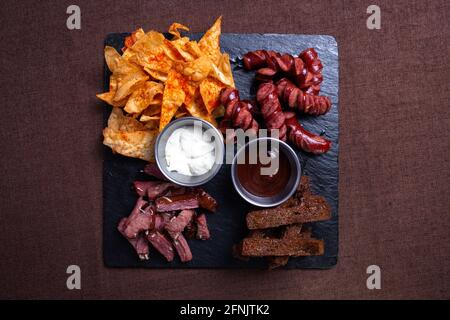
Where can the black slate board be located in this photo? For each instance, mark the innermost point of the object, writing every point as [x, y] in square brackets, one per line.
[227, 226]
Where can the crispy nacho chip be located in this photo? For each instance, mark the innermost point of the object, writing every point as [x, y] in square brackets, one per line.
[152, 124]
[128, 84]
[108, 97]
[132, 38]
[193, 49]
[147, 44]
[112, 58]
[195, 70]
[140, 99]
[181, 46]
[171, 51]
[210, 42]
[222, 72]
[157, 75]
[152, 110]
[126, 76]
[129, 137]
[174, 27]
[137, 144]
[225, 67]
[194, 105]
[181, 112]
[210, 89]
[173, 97]
[118, 121]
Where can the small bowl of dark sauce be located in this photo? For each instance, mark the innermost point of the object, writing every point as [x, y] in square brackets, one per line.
[266, 172]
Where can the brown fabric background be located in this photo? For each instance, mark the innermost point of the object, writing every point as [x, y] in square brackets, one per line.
[394, 149]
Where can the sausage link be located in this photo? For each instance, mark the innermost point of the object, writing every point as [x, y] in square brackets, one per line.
[305, 70]
[302, 101]
[270, 107]
[304, 139]
[238, 114]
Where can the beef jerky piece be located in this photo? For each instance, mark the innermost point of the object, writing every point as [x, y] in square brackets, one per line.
[178, 202]
[190, 231]
[153, 189]
[176, 191]
[161, 244]
[177, 224]
[152, 170]
[161, 219]
[276, 262]
[139, 243]
[182, 248]
[140, 219]
[254, 247]
[202, 227]
[205, 200]
[312, 208]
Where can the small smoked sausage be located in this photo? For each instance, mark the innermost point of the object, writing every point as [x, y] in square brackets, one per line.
[271, 111]
[305, 102]
[304, 139]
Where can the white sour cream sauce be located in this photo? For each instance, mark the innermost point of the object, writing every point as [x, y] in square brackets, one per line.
[189, 151]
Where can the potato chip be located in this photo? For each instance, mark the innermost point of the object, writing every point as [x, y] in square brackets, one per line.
[136, 144]
[221, 76]
[181, 112]
[156, 75]
[129, 83]
[129, 137]
[173, 29]
[196, 70]
[118, 121]
[171, 51]
[152, 124]
[112, 58]
[225, 67]
[131, 39]
[144, 96]
[108, 97]
[149, 44]
[194, 105]
[193, 49]
[180, 46]
[152, 110]
[173, 97]
[126, 76]
[210, 42]
[151, 121]
[210, 89]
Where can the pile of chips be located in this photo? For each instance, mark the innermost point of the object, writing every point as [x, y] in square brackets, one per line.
[156, 80]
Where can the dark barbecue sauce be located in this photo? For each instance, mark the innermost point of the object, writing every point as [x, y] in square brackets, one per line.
[253, 181]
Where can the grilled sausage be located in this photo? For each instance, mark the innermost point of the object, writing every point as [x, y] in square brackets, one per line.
[304, 139]
[271, 111]
[299, 100]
